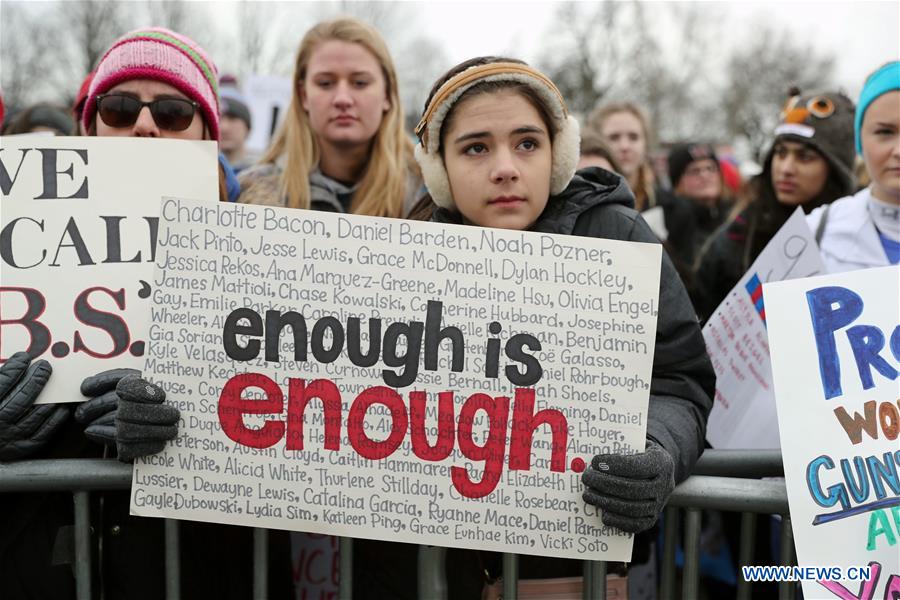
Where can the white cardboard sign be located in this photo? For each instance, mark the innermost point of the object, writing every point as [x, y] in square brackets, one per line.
[268, 98]
[835, 355]
[77, 241]
[743, 414]
[434, 384]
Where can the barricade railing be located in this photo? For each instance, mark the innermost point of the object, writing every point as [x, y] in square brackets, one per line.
[723, 480]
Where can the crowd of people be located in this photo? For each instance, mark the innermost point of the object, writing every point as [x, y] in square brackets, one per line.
[496, 147]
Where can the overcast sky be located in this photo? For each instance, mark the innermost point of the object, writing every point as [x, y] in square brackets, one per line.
[863, 35]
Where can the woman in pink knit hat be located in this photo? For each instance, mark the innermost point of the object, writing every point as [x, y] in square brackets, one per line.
[150, 83]
[155, 83]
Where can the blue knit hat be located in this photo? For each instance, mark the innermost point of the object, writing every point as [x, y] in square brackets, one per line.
[884, 80]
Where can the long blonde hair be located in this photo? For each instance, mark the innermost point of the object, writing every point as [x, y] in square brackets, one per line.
[644, 194]
[382, 187]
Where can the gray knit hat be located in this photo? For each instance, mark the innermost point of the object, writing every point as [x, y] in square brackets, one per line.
[825, 123]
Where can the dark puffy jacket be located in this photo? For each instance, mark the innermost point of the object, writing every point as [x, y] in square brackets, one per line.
[721, 265]
[598, 204]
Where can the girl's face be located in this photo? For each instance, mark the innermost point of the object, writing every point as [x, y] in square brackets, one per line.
[344, 94]
[497, 153]
[799, 173]
[147, 90]
[625, 136]
[881, 146]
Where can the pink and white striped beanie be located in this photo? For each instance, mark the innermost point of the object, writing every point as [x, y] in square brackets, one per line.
[162, 55]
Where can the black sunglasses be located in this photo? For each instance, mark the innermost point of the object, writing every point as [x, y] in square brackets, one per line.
[171, 114]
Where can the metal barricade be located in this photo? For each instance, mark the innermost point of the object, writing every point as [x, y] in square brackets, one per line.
[723, 480]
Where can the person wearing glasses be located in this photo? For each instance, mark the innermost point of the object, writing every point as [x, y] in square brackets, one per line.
[810, 164]
[696, 176]
[151, 83]
[342, 146]
[863, 230]
[169, 75]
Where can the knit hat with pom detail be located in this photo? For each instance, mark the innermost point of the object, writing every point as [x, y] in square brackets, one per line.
[161, 55]
[824, 122]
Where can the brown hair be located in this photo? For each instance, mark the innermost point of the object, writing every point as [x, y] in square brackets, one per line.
[488, 87]
[592, 144]
[644, 195]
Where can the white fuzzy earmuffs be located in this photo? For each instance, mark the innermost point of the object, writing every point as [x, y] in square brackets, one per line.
[566, 143]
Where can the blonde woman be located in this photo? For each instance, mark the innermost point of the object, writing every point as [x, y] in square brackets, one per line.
[342, 147]
[625, 130]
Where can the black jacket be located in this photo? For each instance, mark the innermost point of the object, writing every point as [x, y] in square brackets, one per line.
[707, 220]
[598, 204]
[730, 252]
[680, 223]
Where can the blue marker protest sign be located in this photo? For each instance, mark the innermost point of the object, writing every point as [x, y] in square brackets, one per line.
[835, 344]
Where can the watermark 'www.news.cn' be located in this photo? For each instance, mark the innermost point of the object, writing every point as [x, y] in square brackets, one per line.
[784, 573]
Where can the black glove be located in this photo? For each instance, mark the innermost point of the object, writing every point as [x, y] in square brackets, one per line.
[99, 413]
[143, 423]
[25, 427]
[127, 412]
[631, 489]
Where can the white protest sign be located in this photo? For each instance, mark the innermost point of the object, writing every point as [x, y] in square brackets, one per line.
[315, 559]
[656, 219]
[835, 355]
[268, 98]
[77, 242]
[743, 414]
[435, 384]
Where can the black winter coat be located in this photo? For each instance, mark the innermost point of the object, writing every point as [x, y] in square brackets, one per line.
[598, 204]
[681, 226]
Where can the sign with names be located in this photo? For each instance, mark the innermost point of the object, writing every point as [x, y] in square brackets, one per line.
[78, 242]
[387, 379]
[743, 414]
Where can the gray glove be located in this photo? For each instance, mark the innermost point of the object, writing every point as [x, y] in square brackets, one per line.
[127, 412]
[631, 489]
[143, 423]
[24, 427]
[99, 413]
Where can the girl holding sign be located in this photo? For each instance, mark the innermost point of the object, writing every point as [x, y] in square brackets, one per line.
[863, 230]
[342, 147]
[498, 148]
[810, 164]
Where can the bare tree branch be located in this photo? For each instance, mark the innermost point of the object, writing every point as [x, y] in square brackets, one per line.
[26, 48]
[759, 77]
